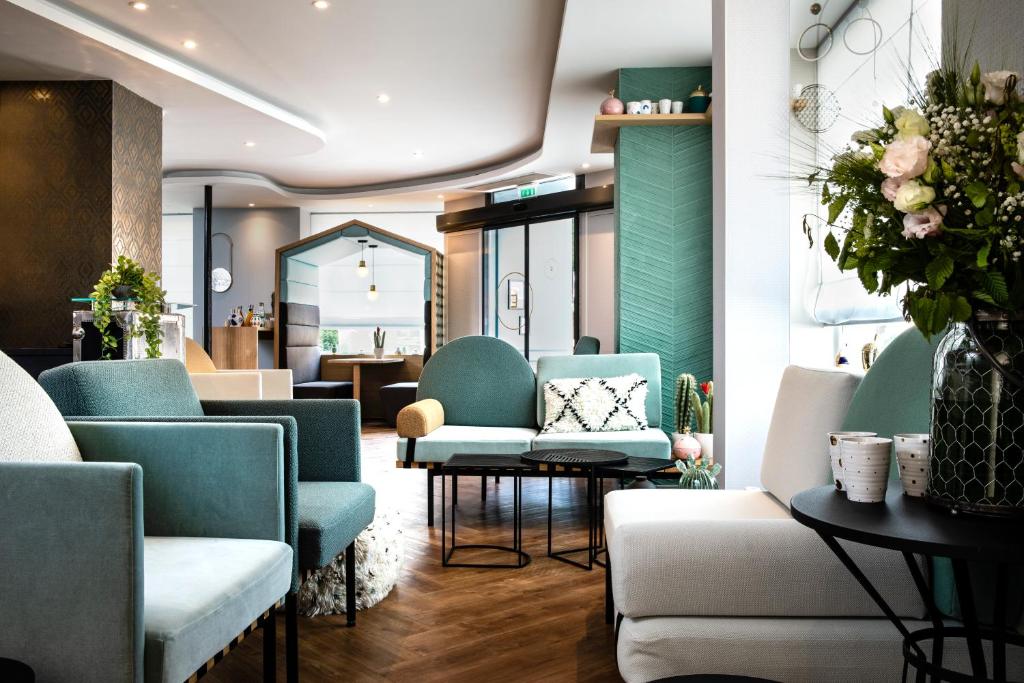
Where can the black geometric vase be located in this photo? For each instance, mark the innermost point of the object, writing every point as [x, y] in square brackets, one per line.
[977, 426]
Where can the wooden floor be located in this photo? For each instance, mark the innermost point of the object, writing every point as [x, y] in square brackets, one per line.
[541, 623]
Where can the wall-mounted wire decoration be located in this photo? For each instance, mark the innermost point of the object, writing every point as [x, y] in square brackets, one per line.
[822, 47]
[816, 108]
[876, 34]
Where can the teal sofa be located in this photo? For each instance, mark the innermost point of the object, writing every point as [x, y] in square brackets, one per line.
[123, 553]
[326, 504]
[492, 402]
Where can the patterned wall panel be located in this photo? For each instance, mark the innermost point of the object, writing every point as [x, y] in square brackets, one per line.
[137, 169]
[55, 195]
[439, 302]
[663, 210]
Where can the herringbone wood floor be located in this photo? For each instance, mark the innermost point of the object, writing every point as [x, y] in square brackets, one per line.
[541, 623]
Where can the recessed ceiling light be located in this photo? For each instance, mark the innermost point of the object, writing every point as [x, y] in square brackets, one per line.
[321, 4]
[584, 165]
[251, 205]
[370, 205]
[418, 154]
[440, 196]
[189, 44]
[383, 98]
[250, 143]
[141, 6]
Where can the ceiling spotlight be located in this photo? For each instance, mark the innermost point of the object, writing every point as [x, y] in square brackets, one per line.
[249, 143]
[321, 4]
[141, 6]
[189, 44]
[383, 98]
[418, 154]
[251, 205]
[440, 196]
[584, 165]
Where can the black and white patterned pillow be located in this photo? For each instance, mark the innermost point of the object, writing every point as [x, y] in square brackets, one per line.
[595, 404]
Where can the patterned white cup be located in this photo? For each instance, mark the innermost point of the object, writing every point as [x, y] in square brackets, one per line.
[833, 453]
[865, 462]
[912, 452]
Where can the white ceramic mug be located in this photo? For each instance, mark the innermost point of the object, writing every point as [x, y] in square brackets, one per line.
[912, 451]
[677, 107]
[665, 106]
[865, 461]
[833, 453]
[632, 107]
[645, 106]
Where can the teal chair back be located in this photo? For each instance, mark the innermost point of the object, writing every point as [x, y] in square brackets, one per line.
[480, 382]
[587, 346]
[122, 388]
[647, 365]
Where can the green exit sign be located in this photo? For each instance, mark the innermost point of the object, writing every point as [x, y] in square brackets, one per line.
[527, 191]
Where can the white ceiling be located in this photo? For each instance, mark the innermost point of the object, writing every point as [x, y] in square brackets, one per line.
[484, 88]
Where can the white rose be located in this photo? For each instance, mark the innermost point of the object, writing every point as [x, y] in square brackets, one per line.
[909, 124]
[905, 158]
[995, 85]
[913, 196]
[1020, 147]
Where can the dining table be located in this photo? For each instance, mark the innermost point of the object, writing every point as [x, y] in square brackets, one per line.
[357, 363]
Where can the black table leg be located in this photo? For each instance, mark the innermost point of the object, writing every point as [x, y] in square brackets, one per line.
[550, 484]
[483, 487]
[444, 512]
[450, 545]
[270, 646]
[430, 497]
[933, 614]
[609, 601]
[999, 624]
[965, 594]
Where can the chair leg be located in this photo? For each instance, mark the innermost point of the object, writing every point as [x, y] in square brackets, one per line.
[483, 488]
[291, 638]
[350, 584]
[430, 498]
[270, 646]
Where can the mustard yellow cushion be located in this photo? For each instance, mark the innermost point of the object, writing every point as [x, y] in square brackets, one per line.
[419, 419]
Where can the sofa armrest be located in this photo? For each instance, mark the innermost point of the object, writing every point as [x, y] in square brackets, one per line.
[328, 433]
[228, 385]
[71, 569]
[418, 419]
[211, 480]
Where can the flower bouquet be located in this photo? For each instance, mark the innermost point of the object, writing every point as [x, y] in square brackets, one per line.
[930, 202]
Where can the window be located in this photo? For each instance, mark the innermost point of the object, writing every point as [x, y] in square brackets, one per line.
[358, 340]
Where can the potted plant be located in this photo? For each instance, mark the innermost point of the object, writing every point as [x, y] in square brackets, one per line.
[378, 342]
[702, 413]
[930, 203]
[683, 444]
[128, 286]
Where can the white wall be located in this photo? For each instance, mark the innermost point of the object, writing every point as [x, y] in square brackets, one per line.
[462, 283]
[176, 275]
[750, 145]
[597, 278]
[419, 226]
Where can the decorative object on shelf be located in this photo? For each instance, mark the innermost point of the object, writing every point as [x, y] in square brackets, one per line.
[685, 447]
[221, 278]
[697, 102]
[816, 108]
[841, 358]
[378, 342]
[665, 106]
[868, 353]
[684, 400]
[923, 205]
[865, 463]
[696, 474]
[912, 451]
[372, 294]
[612, 105]
[127, 277]
[677, 107]
[632, 107]
[361, 269]
[702, 415]
[380, 554]
[645, 107]
[834, 455]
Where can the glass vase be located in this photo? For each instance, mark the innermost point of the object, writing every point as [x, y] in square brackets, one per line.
[977, 424]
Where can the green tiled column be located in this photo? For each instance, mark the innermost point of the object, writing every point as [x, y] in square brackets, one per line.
[663, 215]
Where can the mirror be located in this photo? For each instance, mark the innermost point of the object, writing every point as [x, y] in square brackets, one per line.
[220, 279]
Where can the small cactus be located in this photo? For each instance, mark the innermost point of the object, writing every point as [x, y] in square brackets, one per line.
[685, 393]
[378, 338]
[702, 410]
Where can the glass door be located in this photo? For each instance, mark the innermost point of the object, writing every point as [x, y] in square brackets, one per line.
[505, 285]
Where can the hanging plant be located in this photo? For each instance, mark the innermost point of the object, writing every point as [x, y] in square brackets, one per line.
[126, 279]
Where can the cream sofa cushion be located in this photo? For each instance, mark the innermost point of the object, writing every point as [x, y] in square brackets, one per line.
[810, 403]
[33, 430]
[680, 552]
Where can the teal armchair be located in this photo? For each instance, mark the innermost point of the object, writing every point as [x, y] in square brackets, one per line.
[123, 558]
[325, 504]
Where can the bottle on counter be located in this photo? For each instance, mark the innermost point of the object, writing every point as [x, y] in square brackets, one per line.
[247, 322]
[261, 316]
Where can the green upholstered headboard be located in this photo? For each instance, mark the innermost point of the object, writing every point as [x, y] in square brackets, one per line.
[481, 382]
[122, 388]
[647, 365]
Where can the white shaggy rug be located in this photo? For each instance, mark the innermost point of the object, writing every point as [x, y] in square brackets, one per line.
[380, 553]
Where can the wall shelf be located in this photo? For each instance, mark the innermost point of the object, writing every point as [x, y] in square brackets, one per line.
[606, 127]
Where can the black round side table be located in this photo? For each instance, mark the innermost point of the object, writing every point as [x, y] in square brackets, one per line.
[588, 460]
[913, 527]
[12, 671]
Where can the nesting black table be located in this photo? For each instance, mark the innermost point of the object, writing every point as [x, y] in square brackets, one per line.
[914, 527]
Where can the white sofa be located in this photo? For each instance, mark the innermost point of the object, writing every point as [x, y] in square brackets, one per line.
[727, 582]
[212, 384]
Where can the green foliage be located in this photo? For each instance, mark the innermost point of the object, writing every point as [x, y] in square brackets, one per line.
[684, 402]
[143, 289]
[329, 340]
